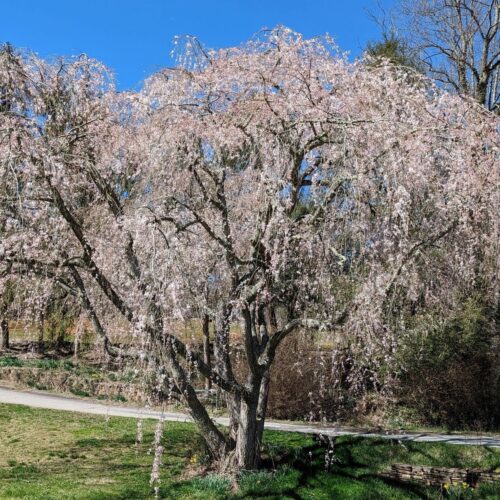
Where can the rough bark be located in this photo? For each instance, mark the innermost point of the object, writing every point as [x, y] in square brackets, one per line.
[262, 406]
[233, 404]
[247, 446]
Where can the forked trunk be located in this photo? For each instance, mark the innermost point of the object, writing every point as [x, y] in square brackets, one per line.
[247, 426]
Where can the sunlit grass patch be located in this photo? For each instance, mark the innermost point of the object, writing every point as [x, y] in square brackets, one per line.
[48, 454]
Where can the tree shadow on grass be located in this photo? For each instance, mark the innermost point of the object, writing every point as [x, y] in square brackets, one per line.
[313, 474]
[292, 473]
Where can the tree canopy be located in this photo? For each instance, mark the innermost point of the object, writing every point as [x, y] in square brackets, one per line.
[182, 200]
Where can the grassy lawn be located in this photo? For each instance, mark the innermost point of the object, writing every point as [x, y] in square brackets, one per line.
[48, 454]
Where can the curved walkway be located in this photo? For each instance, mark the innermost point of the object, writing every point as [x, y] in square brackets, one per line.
[55, 402]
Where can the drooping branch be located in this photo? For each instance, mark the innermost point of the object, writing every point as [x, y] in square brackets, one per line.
[94, 270]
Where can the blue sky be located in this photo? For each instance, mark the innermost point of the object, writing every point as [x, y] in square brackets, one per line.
[134, 37]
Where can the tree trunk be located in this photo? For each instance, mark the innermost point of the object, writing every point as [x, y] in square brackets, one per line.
[4, 334]
[213, 437]
[76, 344]
[251, 423]
[221, 343]
[206, 348]
[247, 445]
[41, 331]
[481, 92]
[262, 407]
[233, 405]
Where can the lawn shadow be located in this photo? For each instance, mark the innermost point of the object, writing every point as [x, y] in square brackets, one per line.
[310, 465]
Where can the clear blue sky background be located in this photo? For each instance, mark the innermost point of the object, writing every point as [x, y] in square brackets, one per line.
[134, 37]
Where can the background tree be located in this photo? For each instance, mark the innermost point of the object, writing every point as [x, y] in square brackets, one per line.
[394, 49]
[6, 300]
[458, 42]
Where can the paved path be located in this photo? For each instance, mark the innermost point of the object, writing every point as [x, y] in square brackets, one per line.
[55, 402]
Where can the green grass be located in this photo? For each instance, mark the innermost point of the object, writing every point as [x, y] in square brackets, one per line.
[10, 361]
[43, 364]
[80, 369]
[47, 454]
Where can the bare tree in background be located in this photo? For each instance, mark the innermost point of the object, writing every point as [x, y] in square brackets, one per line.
[458, 42]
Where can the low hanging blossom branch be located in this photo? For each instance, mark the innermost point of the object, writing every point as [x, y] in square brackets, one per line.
[158, 449]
